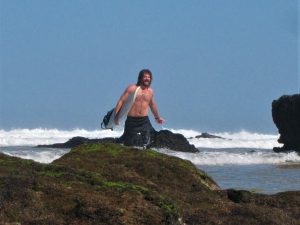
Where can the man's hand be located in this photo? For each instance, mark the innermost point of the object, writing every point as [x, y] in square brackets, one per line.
[159, 120]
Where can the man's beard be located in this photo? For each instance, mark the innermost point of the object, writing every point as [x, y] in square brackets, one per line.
[146, 83]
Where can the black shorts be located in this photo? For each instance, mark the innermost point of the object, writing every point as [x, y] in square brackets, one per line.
[138, 131]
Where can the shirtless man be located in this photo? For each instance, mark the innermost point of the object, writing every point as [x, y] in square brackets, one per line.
[137, 125]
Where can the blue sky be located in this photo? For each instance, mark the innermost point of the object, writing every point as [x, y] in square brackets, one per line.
[217, 65]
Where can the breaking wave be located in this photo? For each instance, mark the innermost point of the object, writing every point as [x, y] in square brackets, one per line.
[39, 136]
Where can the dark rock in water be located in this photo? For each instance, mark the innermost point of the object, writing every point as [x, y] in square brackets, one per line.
[110, 184]
[239, 196]
[207, 135]
[76, 141]
[176, 142]
[161, 139]
[286, 116]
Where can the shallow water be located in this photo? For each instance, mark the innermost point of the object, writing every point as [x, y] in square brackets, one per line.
[263, 178]
[259, 170]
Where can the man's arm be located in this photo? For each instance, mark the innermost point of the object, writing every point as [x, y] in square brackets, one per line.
[154, 111]
[121, 102]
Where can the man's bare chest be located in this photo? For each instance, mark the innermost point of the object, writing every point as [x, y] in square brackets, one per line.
[143, 96]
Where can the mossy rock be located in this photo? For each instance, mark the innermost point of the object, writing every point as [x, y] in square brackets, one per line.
[113, 184]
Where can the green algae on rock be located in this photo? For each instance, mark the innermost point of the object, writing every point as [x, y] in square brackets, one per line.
[112, 184]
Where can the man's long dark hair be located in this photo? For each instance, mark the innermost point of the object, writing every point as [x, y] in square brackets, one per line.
[141, 75]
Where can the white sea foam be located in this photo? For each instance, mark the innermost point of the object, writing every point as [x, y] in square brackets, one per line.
[32, 137]
[39, 136]
[204, 157]
[42, 156]
[242, 139]
[235, 157]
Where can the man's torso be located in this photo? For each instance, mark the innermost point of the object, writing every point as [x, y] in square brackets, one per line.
[141, 103]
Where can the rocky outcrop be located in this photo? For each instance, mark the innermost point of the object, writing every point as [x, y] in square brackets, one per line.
[111, 184]
[207, 135]
[76, 141]
[175, 142]
[286, 116]
[160, 139]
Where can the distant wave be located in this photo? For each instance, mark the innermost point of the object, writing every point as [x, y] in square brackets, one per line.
[236, 156]
[38, 136]
[241, 139]
[42, 155]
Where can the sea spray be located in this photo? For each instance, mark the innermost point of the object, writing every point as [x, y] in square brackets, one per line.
[42, 155]
[235, 156]
[39, 136]
[242, 139]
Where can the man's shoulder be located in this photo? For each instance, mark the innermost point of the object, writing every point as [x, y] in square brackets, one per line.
[131, 87]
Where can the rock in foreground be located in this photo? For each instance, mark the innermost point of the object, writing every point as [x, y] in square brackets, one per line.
[286, 116]
[112, 184]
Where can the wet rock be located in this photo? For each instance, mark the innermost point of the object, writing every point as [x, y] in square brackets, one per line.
[175, 142]
[286, 116]
[76, 141]
[239, 196]
[207, 135]
[160, 139]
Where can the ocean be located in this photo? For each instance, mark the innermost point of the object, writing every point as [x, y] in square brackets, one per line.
[241, 160]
